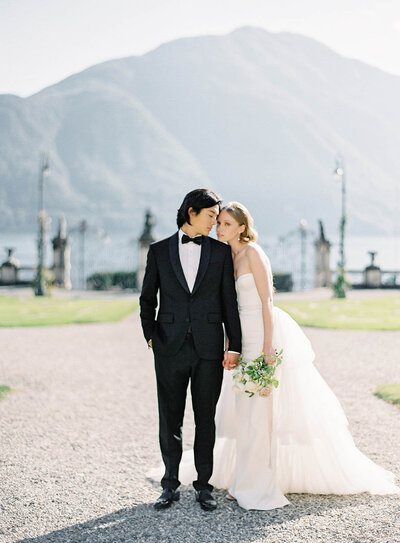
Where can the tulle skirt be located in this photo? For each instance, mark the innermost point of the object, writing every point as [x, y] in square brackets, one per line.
[295, 441]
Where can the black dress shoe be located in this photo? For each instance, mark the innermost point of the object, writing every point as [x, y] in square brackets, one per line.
[167, 497]
[206, 500]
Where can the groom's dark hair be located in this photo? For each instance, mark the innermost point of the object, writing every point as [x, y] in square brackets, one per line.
[197, 199]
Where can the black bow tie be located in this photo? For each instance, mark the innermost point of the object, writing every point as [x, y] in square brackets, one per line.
[198, 239]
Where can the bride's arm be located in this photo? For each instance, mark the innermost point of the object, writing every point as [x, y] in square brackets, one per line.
[261, 270]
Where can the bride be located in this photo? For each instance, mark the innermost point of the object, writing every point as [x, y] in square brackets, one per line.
[296, 440]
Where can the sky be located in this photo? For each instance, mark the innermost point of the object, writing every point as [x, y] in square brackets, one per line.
[44, 41]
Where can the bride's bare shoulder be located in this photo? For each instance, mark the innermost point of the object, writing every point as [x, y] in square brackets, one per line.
[255, 252]
[257, 258]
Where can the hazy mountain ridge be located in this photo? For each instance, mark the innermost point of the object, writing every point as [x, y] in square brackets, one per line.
[256, 116]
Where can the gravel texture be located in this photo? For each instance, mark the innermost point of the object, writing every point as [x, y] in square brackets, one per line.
[79, 431]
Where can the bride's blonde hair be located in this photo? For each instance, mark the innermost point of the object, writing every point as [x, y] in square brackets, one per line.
[243, 217]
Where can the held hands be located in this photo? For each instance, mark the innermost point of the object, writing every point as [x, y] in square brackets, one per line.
[230, 360]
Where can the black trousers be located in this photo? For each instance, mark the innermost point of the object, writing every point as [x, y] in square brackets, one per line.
[173, 375]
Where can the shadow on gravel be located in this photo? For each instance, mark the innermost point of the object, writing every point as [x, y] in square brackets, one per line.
[186, 522]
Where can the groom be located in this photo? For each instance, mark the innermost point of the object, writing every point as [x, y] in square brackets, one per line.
[193, 275]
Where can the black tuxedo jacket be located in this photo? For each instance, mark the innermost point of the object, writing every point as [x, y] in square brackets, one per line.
[211, 304]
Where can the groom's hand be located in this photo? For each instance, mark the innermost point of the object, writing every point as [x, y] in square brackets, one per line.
[230, 360]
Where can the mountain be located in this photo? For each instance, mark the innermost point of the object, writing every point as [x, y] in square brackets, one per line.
[259, 117]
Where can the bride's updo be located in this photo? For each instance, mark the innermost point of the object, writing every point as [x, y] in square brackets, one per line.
[242, 216]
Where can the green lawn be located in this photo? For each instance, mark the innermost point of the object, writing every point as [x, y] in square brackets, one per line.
[50, 311]
[4, 389]
[389, 393]
[361, 314]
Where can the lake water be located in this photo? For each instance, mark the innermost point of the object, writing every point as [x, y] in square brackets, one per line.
[120, 252]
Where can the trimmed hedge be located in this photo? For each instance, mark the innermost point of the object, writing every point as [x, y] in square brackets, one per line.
[283, 282]
[109, 280]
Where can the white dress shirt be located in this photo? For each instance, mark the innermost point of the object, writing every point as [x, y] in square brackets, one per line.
[189, 254]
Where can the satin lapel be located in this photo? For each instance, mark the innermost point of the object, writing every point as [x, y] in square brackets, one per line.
[204, 261]
[176, 261]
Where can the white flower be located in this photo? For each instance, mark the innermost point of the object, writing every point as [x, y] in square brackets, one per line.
[251, 386]
[265, 392]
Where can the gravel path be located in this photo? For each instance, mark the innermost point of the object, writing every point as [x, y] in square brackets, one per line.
[80, 430]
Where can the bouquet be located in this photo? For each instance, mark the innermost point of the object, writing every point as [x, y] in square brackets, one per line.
[256, 376]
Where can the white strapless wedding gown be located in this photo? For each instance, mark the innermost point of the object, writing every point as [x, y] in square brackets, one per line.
[296, 440]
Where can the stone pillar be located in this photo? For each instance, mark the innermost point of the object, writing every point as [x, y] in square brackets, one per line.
[62, 257]
[322, 260]
[372, 273]
[144, 243]
[9, 270]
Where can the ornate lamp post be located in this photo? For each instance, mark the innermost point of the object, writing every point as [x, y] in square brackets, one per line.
[40, 287]
[340, 285]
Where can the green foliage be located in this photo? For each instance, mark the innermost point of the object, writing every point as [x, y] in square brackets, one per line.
[47, 282]
[4, 389]
[257, 374]
[108, 280]
[125, 279]
[340, 286]
[45, 311]
[389, 393]
[283, 282]
[359, 314]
